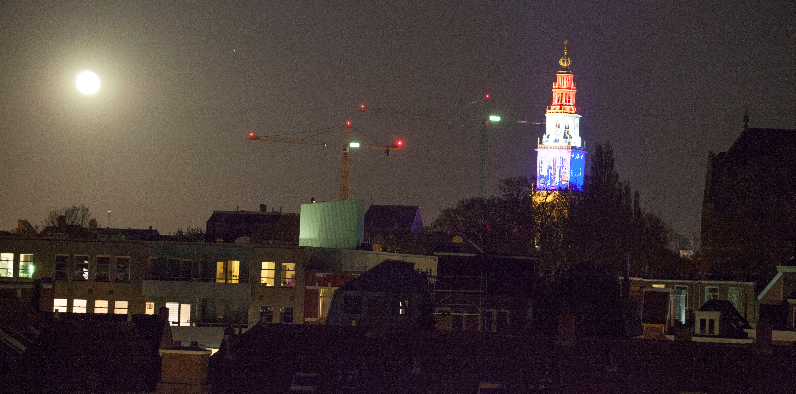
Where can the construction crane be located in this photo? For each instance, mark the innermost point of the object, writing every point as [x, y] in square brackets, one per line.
[346, 145]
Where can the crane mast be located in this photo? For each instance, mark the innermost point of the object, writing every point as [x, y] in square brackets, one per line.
[345, 167]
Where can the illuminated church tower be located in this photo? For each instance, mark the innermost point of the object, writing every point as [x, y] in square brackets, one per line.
[561, 155]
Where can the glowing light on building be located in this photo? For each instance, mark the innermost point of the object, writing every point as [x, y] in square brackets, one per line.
[560, 159]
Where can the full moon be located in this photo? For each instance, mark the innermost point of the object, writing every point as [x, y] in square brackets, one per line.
[88, 82]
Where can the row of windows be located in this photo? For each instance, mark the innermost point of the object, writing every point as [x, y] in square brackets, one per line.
[81, 306]
[24, 264]
[268, 313]
[81, 269]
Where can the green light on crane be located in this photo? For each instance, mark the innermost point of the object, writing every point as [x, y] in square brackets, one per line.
[494, 118]
[354, 145]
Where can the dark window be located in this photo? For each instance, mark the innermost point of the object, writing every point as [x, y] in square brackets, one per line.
[702, 324]
[173, 269]
[122, 269]
[287, 315]
[61, 267]
[103, 273]
[377, 306]
[266, 314]
[711, 326]
[81, 268]
[185, 269]
[352, 305]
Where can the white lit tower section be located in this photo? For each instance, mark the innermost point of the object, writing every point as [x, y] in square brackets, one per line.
[560, 157]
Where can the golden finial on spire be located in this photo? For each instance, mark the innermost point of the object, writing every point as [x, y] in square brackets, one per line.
[565, 61]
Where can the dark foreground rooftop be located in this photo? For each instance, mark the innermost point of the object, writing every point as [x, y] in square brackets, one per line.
[265, 358]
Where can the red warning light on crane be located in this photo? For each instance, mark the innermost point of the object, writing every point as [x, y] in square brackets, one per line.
[399, 143]
[347, 123]
[251, 135]
[362, 107]
[486, 96]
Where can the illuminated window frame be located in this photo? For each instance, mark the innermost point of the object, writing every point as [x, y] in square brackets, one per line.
[324, 302]
[268, 273]
[100, 306]
[79, 305]
[179, 314]
[26, 267]
[81, 271]
[228, 271]
[60, 305]
[288, 275]
[149, 308]
[120, 307]
[6, 265]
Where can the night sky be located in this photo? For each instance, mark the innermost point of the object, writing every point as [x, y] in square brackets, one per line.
[163, 143]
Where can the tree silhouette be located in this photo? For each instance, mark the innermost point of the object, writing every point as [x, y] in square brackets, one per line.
[74, 215]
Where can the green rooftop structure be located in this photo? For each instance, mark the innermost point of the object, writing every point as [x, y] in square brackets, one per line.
[335, 224]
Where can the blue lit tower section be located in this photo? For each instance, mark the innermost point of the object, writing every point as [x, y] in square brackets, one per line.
[561, 157]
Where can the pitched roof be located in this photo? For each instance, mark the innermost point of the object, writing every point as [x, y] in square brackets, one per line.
[389, 276]
[728, 312]
[391, 216]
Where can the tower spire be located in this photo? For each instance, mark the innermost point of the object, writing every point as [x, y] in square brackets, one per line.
[560, 153]
[565, 61]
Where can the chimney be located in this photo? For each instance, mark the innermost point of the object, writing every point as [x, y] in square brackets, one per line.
[263, 208]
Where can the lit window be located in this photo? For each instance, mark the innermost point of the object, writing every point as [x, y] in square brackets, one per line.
[123, 269]
[120, 307]
[684, 289]
[150, 308]
[103, 273]
[221, 272]
[6, 265]
[100, 306]
[81, 268]
[267, 273]
[185, 315]
[59, 305]
[79, 306]
[324, 302]
[174, 313]
[288, 274]
[61, 267]
[233, 271]
[402, 307]
[658, 286]
[228, 271]
[179, 314]
[711, 293]
[26, 265]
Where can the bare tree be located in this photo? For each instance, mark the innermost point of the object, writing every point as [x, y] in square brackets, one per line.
[76, 214]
